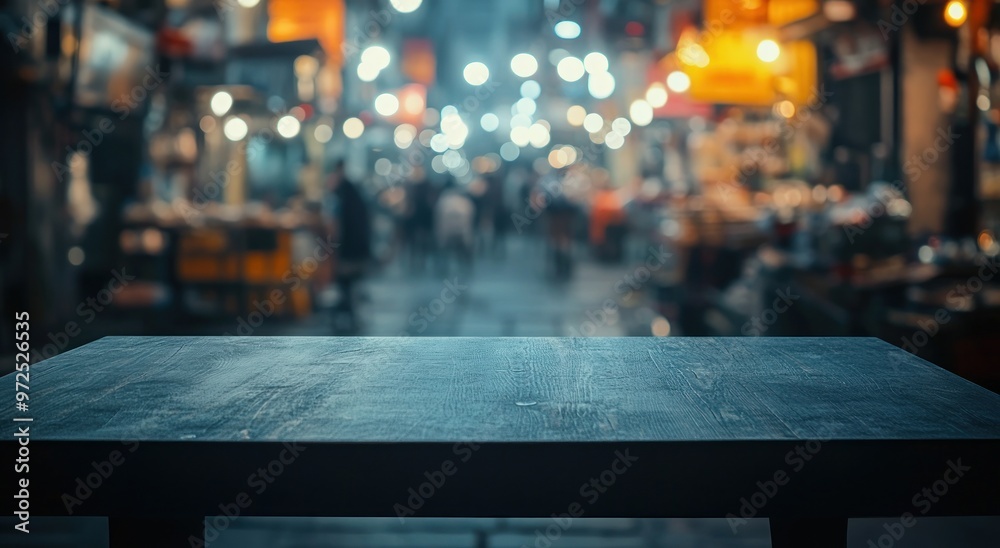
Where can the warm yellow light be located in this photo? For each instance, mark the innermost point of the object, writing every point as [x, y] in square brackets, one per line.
[786, 109]
[689, 51]
[693, 54]
[955, 13]
[558, 158]
[660, 327]
[988, 243]
[305, 66]
[768, 51]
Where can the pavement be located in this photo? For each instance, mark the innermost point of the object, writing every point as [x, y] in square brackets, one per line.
[514, 296]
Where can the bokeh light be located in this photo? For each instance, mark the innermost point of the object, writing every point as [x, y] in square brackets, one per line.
[235, 129]
[596, 62]
[576, 115]
[288, 126]
[323, 133]
[489, 122]
[656, 95]
[510, 151]
[641, 112]
[386, 104]
[678, 81]
[221, 103]
[354, 128]
[567, 30]
[601, 85]
[570, 69]
[531, 89]
[406, 6]
[476, 73]
[524, 65]
[376, 56]
[593, 122]
[768, 51]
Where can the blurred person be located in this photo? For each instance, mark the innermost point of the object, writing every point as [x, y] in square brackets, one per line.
[353, 232]
[513, 182]
[675, 166]
[710, 267]
[561, 215]
[607, 220]
[526, 193]
[419, 222]
[491, 221]
[500, 216]
[392, 209]
[454, 216]
[482, 224]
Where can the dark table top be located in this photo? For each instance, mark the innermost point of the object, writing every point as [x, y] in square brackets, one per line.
[707, 416]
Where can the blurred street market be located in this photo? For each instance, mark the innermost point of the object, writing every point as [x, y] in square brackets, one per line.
[508, 168]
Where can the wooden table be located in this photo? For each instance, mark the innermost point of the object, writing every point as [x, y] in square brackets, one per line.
[807, 432]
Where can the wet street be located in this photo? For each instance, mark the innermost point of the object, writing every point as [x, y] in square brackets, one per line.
[510, 298]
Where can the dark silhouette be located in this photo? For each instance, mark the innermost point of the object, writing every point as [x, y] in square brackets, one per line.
[353, 225]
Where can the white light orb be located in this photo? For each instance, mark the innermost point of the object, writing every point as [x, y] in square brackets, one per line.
[525, 106]
[354, 128]
[621, 126]
[595, 62]
[531, 89]
[404, 135]
[614, 141]
[288, 126]
[376, 56]
[656, 95]
[538, 136]
[768, 51]
[489, 122]
[567, 30]
[406, 6]
[641, 112]
[524, 65]
[221, 103]
[570, 69]
[593, 122]
[235, 129]
[520, 136]
[678, 82]
[323, 133]
[386, 104]
[601, 85]
[510, 151]
[476, 73]
[368, 72]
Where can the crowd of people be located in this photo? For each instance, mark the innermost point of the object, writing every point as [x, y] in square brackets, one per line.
[440, 224]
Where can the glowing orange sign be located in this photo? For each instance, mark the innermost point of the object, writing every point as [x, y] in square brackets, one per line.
[290, 20]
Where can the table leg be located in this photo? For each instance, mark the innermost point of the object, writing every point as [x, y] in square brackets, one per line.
[811, 532]
[181, 532]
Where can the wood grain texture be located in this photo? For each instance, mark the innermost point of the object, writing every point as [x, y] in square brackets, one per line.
[707, 419]
[501, 390]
